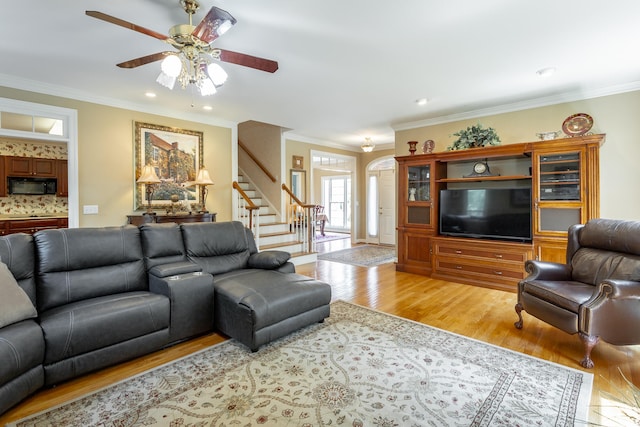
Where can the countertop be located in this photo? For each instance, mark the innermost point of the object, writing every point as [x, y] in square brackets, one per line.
[18, 217]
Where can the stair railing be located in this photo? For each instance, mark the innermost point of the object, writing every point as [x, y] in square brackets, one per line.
[248, 212]
[302, 221]
[252, 156]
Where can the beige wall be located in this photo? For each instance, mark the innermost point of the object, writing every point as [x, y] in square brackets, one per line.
[105, 157]
[264, 141]
[615, 115]
[105, 152]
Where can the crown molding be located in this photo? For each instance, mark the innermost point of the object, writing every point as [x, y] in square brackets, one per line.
[356, 149]
[522, 105]
[78, 95]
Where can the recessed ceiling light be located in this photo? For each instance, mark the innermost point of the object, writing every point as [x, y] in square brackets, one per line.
[207, 107]
[150, 95]
[546, 72]
[421, 101]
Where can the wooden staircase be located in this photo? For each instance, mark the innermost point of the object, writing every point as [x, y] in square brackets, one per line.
[272, 233]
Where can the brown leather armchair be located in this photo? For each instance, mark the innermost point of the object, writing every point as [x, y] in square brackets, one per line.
[596, 294]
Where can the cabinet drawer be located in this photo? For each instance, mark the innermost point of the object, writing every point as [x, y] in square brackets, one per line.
[454, 266]
[493, 254]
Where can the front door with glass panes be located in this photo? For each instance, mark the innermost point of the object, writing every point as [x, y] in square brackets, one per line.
[336, 199]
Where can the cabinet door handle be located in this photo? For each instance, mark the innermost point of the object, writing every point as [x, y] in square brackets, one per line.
[458, 267]
[498, 256]
[498, 273]
[458, 251]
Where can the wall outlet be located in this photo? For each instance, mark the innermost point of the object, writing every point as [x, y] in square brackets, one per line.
[90, 209]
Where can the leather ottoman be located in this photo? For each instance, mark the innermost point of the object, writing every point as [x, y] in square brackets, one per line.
[257, 306]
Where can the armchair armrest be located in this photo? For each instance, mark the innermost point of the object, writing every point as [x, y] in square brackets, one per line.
[616, 288]
[544, 270]
[612, 311]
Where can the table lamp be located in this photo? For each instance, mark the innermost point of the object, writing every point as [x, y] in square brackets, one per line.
[148, 177]
[203, 179]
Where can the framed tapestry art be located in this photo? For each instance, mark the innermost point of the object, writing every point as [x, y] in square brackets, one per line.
[176, 155]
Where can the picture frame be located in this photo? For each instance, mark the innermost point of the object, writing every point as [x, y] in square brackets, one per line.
[298, 162]
[176, 155]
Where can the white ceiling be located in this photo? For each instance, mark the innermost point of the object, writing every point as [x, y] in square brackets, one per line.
[348, 69]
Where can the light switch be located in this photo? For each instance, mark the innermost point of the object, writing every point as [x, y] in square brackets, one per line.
[90, 209]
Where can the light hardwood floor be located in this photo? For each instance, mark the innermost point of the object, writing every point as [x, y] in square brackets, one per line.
[483, 314]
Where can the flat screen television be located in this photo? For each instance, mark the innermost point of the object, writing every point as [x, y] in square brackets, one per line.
[491, 213]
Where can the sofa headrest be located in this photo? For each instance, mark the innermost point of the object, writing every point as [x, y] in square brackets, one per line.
[74, 264]
[205, 239]
[67, 249]
[162, 244]
[611, 235]
[218, 247]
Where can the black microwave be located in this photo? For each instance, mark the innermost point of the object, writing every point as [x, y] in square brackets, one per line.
[32, 185]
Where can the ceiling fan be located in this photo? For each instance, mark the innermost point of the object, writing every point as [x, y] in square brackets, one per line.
[193, 44]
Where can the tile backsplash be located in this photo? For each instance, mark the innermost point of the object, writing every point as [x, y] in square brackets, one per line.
[27, 148]
[15, 204]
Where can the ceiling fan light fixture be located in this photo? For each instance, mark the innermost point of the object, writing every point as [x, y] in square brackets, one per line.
[367, 146]
[216, 74]
[166, 80]
[207, 87]
[171, 66]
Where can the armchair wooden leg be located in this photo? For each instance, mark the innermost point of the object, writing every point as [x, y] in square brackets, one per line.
[589, 342]
[519, 309]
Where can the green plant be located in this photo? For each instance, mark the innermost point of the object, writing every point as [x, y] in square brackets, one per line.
[474, 136]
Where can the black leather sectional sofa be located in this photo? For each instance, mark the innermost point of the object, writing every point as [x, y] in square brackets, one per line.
[94, 297]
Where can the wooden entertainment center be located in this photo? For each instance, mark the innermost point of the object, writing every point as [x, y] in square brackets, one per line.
[563, 175]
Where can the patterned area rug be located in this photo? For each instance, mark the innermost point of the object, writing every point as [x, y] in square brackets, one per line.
[358, 368]
[363, 256]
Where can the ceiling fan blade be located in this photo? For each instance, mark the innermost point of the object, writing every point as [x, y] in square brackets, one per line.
[213, 25]
[248, 61]
[144, 60]
[126, 24]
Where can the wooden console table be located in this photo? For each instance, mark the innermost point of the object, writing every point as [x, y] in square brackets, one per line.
[192, 217]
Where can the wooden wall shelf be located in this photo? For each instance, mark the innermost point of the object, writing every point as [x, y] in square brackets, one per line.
[485, 178]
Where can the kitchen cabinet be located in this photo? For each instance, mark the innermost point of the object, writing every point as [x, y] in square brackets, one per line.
[30, 166]
[3, 179]
[33, 225]
[63, 181]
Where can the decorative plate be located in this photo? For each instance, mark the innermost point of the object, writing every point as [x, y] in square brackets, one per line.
[577, 124]
[427, 147]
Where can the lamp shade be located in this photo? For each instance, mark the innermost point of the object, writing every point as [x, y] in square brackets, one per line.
[217, 74]
[148, 176]
[203, 177]
[171, 66]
